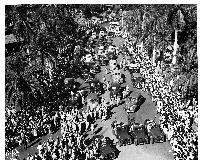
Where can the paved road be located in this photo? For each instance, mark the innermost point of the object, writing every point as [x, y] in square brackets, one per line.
[158, 151]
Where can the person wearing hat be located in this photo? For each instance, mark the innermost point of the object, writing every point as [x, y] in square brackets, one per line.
[92, 103]
[116, 76]
[115, 92]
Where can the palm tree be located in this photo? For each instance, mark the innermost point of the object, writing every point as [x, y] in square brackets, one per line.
[45, 29]
[159, 31]
[176, 20]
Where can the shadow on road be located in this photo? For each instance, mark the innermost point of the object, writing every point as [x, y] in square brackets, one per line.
[35, 142]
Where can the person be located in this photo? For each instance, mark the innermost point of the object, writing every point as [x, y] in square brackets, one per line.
[92, 101]
[30, 157]
[39, 148]
[37, 157]
[54, 156]
[25, 139]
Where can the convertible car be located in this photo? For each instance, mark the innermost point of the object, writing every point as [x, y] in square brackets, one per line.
[133, 102]
[138, 135]
[154, 132]
[105, 150]
[121, 133]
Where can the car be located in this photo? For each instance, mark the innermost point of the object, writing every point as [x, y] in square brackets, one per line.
[74, 100]
[111, 34]
[114, 23]
[138, 134]
[167, 58]
[133, 68]
[154, 132]
[95, 86]
[115, 89]
[138, 80]
[121, 133]
[106, 150]
[91, 64]
[105, 147]
[133, 102]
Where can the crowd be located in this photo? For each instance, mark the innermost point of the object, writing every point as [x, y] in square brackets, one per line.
[176, 114]
[24, 127]
[71, 146]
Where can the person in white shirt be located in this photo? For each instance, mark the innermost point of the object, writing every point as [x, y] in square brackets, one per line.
[39, 148]
[54, 157]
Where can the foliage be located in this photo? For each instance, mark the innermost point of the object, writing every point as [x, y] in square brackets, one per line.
[50, 35]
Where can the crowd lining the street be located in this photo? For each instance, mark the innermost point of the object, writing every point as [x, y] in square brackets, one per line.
[176, 116]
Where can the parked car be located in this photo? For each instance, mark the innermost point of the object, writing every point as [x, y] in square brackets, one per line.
[154, 132]
[133, 102]
[121, 133]
[138, 135]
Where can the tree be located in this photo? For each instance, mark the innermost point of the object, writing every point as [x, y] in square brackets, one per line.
[19, 89]
[176, 20]
[159, 30]
[50, 34]
[133, 22]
